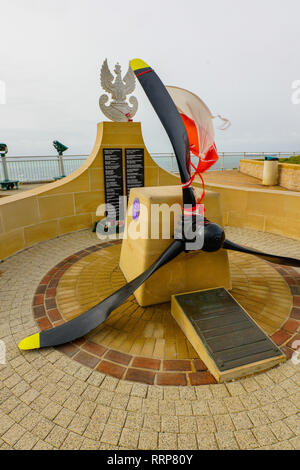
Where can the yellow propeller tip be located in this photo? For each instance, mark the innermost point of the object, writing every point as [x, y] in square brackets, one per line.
[31, 342]
[137, 64]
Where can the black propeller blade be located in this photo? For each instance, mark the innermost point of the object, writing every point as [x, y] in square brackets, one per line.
[228, 245]
[91, 319]
[170, 118]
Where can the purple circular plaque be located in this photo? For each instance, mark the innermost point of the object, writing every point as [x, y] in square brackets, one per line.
[136, 209]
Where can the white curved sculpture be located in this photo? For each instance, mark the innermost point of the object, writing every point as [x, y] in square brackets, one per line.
[118, 110]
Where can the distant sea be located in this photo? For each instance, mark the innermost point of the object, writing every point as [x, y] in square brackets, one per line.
[29, 169]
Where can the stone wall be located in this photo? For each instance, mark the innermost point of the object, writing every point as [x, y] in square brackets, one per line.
[70, 204]
[261, 209]
[288, 174]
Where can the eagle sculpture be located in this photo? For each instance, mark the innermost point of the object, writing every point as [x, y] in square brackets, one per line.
[118, 110]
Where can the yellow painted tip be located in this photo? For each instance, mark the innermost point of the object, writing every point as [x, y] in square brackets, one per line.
[137, 64]
[31, 342]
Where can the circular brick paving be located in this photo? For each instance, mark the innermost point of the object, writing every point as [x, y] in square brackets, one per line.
[49, 401]
[145, 344]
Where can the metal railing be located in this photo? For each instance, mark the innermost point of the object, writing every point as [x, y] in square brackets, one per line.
[45, 168]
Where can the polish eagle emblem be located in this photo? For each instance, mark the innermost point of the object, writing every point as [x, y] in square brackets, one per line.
[118, 110]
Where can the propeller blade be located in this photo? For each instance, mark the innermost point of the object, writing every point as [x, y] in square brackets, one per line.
[170, 118]
[91, 319]
[228, 245]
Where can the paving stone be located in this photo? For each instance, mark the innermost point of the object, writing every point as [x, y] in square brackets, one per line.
[273, 412]
[57, 436]
[281, 431]
[5, 423]
[94, 429]
[258, 417]
[167, 407]
[27, 442]
[235, 389]
[42, 428]
[148, 440]
[264, 435]
[200, 408]
[283, 445]
[119, 401]
[91, 393]
[205, 424]
[241, 421]
[152, 422]
[155, 392]
[51, 411]
[42, 445]
[134, 403]
[101, 413]
[171, 393]
[18, 413]
[14, 433]
[86, 408]
[293, 422]
[64, 418]
[170, 424]
[187, 424]
[30, 420]
[187, 441]
[72, 442]
[105, 397]
[139, 390]
[287, 407]
[89, 444]
[60, 396]
[206, 441]
[250, 384]
[246, 439]
[234, 404]
[117, 417]
[150, 406]
[111, 434]
[183, 408]
[167, 441]
[223, 423]
[10, 404]
[226, 440]
[79, 424]
[129, 438]
[295, 442]
[109, 383]
[73, 402]
[217, 406]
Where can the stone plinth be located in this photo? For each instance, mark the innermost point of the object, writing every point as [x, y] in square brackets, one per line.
[188, 272]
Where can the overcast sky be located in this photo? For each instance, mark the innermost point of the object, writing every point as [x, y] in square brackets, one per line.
[239, 56]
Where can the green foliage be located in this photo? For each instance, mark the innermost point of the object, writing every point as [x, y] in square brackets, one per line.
[295, 160]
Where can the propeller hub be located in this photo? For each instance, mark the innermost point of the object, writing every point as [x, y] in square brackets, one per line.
[214, 237]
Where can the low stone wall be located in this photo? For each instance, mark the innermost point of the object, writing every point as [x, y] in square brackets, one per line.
[261, 209]
[70, 204]
[288, 174]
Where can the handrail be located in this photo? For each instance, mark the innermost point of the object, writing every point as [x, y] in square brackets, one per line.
[45, 167]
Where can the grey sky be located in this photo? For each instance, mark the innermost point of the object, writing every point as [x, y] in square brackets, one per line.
[240, 57]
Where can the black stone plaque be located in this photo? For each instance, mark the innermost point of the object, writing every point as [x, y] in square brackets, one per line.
[113, 179]
[135, 169]
[230, 336]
